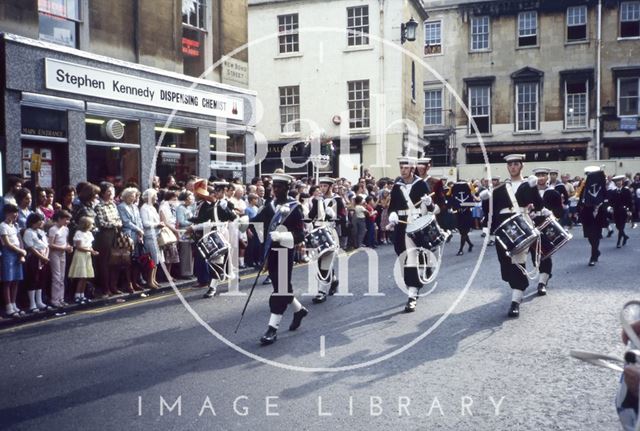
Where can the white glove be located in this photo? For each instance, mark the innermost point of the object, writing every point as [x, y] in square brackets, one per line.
[610, 210]
[284, 209]
[393, 218]
[545, 212]
[532, 180]
[485, 195]
[223, 204]
[426, 200]
[330, 213]
[284, 238]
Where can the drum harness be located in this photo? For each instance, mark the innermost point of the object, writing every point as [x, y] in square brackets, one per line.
[412, 211]
[221, 273]
[531, 275]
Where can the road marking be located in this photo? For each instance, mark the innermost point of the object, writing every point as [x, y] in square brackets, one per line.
[322, 346]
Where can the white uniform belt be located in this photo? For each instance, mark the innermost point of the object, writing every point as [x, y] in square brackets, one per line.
[507, 211]
[403, 212]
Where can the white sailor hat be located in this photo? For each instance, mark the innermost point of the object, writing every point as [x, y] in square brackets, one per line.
[495, 178]
[326, 180]
[281, 178]
[544, 171]
[554, 171]
[220, 184]
[619, 178]
[591, 169]
[406, 160]
[514, 158]
[423, 161]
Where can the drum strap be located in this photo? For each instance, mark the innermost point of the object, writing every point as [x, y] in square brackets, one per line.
[536, 264]
[512, 196]
[406, 189]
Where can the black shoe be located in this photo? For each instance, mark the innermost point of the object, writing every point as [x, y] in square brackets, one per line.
[411, 305]
[297, 318]
[449, 238]
[624, 240]
[269, 337]
[592, 262]
[483, 235]
[609, 234]
[267, 281]
[618, 245]
[459, 253]
[492, 242]
[210, 292]
[514, 309]
[542, 289]
[334, 286]
[470, 247]
[319, 298]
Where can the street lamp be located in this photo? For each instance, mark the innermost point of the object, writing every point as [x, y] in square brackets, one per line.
[408, 31]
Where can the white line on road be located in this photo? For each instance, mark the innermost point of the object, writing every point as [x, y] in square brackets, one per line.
[322, 346]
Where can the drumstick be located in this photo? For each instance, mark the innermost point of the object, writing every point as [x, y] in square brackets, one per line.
[415, 204]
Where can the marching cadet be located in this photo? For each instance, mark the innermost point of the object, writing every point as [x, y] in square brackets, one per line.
[462, 199]
[423, 164]
[283, 225]
[324, 209]
[513, 197]
[409, 199]
[213, 211]
[551, 204]
[495, 182]
[592, 209]
[621, 202]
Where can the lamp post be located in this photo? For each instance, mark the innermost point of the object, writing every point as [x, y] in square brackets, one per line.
[408, 31]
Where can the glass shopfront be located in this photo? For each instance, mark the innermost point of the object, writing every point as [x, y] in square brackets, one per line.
[113, 151]
[178, 156]
[227, 155]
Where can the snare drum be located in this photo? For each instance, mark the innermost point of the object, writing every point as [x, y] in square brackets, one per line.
[516, 235]
[320, 241]
[425, 232]
[212, 246]
[552, 237]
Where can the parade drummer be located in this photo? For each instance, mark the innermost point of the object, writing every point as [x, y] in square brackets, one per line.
[409, 199]
[283, 226]
[514, 197]
[323, 213]
[551, 205]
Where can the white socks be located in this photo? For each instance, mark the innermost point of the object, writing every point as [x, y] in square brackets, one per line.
[516, 295]
[297, 306]
[9, 308]
[241, 261]
[39, 302]
[213, 283]
[413, 292]
[274, 320]
[544, 278]
[32, 299]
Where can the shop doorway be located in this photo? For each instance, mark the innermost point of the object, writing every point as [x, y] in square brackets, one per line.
[54, 163]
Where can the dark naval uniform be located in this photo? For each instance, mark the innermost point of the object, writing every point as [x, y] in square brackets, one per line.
[592, 210]
[621, 202]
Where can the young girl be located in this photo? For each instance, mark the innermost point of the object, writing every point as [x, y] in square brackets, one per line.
[58, 236]
[37, 263]
[81, 266]
[13, 255]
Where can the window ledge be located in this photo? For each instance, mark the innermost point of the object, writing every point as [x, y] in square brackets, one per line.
[290, 134]
[576, 42]
[359, 130]
[528, 47]
[434, 55]
[480, 51]
[577, 129]
[527, 132]
[288, 55]
[629, 38]
[357, 48]
[483, 135]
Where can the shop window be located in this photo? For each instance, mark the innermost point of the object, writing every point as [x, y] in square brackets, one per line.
[528, 28]
[630, 19]
[576, 23]
[113, 150]
[227, 155]
[432, 37]
[58, 21]
[178, 154]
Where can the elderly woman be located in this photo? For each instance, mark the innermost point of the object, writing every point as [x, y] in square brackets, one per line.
[108, 222]
[132, 227]
[151, 224]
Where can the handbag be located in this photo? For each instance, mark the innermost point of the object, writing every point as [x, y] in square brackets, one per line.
[121, 250]
[166, 237]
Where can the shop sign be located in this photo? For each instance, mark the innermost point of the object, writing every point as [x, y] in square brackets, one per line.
[105, 84]
[226, 166]
[43, 122]
[629, 124]
[190, 48]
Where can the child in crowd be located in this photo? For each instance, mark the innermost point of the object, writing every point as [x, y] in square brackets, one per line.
[37, 263]
[59, 245]
[372, 214]
[13, 255]
[81, 265]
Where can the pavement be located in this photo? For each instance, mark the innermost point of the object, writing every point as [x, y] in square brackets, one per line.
[357, 362]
